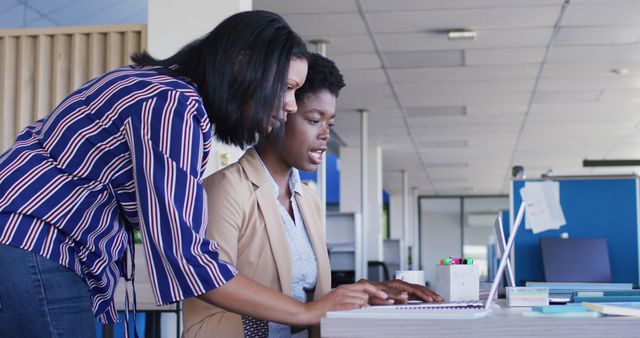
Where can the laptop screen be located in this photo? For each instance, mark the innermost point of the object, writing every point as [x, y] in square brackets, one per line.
[575, 259]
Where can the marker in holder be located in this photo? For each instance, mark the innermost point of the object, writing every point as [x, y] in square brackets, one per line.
[457, 279]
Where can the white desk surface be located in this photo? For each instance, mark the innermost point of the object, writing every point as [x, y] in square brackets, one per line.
[503, 322]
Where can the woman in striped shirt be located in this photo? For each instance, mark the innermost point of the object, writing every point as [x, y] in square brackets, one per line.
[127, 151]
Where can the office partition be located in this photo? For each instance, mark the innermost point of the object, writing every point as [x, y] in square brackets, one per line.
[594, 207]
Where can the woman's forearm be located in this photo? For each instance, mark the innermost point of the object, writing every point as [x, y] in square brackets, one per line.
[243, 295]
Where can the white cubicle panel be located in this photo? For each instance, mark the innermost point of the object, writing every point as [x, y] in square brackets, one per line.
[344, 238]
[440, 232]
[392, 254]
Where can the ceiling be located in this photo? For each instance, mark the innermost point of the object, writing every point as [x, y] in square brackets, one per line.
[536, 88]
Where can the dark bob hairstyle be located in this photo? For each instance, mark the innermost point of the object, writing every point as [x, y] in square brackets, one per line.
[241, 70]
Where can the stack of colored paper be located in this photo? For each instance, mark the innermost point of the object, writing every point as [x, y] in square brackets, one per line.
[564, 291]
[527, 296]
[566, 311]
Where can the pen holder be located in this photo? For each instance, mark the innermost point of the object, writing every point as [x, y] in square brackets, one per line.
[458, 282]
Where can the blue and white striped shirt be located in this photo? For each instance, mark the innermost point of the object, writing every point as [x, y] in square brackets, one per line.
[126, 150]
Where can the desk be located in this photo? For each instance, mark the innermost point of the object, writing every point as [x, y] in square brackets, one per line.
[503, 322]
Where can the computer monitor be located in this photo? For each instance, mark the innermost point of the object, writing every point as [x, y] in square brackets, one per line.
[575, 259]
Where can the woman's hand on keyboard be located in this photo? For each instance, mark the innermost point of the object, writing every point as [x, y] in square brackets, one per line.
[401, 292]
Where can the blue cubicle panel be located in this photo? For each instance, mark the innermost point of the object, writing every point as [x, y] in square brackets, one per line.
[593, 207]
[333, 179]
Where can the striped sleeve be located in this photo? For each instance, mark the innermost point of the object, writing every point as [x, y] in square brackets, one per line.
[167, 138]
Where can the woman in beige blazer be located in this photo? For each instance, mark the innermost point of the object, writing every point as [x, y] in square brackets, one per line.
[246, 218]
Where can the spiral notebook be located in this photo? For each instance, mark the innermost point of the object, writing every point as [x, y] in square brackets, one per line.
[417, 311]
[450, 310]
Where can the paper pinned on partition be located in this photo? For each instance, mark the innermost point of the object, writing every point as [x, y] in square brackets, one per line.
[543, 211]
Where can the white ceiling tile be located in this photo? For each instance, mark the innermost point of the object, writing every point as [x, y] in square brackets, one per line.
[609, 109]
[474, 57]
[466, 99]
[568, 36]
[326, 24]
[581, 71]
[404, 5]
[435, 111]
[423, 59]
[602, 14]
[357, 61]
[567, 96]
[615, 56]
[452, 88]
[508, 38]
[365, 76]
[611, 82]
[505, 109]
[479, 19]
[368, 102]
[305, 6]
[464, 74]
[343, 44]
[621, 95]
[364, 90]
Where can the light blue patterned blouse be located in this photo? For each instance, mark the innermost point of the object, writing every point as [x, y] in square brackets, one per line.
[304, 269]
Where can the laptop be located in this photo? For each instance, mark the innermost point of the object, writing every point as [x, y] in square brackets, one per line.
[447, 310]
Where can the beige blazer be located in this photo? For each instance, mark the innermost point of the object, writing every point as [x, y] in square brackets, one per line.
[244, 220]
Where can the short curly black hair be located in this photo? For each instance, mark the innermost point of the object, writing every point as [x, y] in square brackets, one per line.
[322, 74]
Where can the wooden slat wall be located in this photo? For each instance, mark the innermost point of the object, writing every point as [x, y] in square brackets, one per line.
[39, 67]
